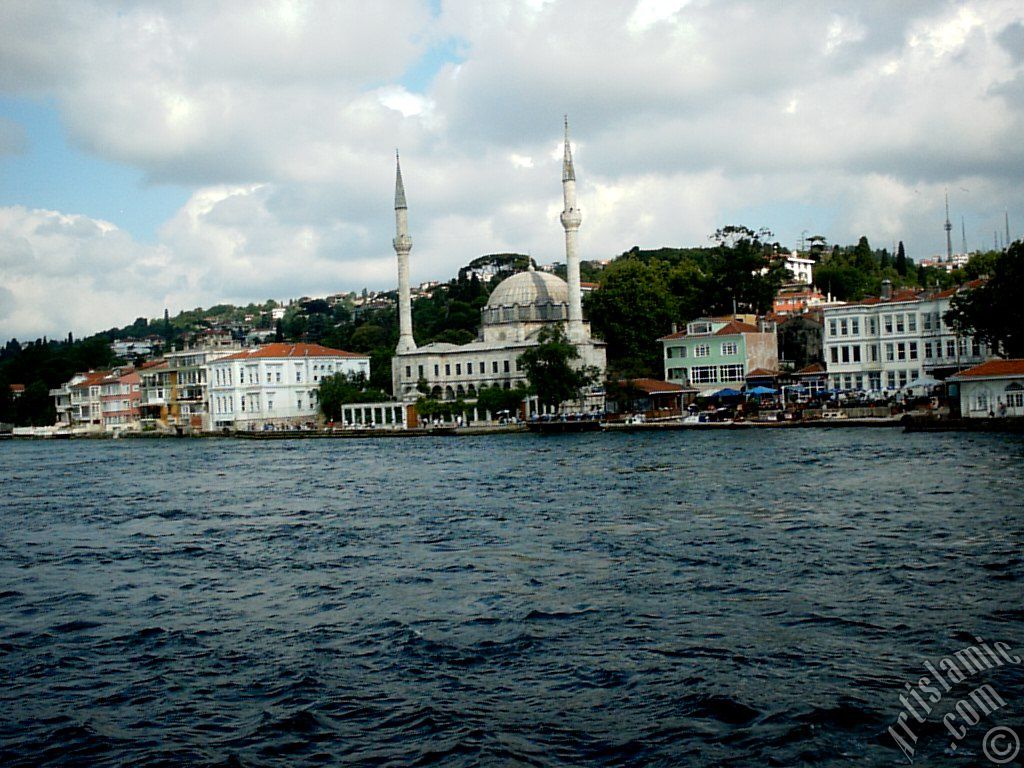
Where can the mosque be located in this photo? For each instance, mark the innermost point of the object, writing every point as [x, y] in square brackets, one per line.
[518, 308]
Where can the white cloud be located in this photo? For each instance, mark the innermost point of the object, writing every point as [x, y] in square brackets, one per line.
[283, 117]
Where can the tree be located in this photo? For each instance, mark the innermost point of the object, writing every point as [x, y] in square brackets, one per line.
[901, 260]
[549, 368]
[993, 312]
[497, 399]
[341, 389]
[630, 310]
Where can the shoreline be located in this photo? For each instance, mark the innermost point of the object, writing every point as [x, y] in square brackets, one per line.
[910, 424]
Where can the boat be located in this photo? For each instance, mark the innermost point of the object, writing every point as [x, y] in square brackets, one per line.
[563, 426]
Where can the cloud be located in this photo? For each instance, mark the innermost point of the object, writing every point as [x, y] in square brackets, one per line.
[282, 119]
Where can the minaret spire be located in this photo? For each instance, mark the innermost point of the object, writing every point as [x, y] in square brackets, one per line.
[403, 245]
[949, 229]
[571, 220]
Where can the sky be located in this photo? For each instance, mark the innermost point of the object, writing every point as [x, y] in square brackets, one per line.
[178, 154]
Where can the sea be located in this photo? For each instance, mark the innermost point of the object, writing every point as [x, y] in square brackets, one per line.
[758, 597]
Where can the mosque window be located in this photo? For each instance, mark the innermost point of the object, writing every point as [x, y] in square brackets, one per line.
[447, 369]
[506, 366]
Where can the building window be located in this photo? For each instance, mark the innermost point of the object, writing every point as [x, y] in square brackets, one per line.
[926, 321]
[912, 322]
[844, 328]
[298, 402]
[458, 369]
[981, 402]
[669, 352]
[701, 350]
[835, 354]
[298, 375]
[856, 356]
[730, 373]
[494, 366]
[899, 323]
[890, 380]
[277, 377]
[846, 354]
[901, 351]
[873, 352]
[420, 369]
[927, 349]
[704, 374]
[913, 350]
[469, 369]
[950, 348]
[506, 366]
[855, 326]
[887, 323]
[729, 348]
[678, 374]
[408, 371]
[873, 326]
[436, 371]
[447, 369]
[832, 328]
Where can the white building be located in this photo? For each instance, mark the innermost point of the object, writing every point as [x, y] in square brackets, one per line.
[274, 385]
[995, 388]
[801, 268]
[517, 310]
[883, 344]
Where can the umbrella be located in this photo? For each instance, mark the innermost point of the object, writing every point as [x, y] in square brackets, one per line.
[921, 382]
[800, 389]
[727, 392]
[761, 391]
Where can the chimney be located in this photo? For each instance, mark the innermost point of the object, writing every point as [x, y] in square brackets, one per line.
[675, 328]
[886, 289]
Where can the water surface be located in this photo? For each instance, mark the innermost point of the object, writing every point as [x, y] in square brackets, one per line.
[697, 598]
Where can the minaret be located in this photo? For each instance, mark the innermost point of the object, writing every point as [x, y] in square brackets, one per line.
[571, 222]
[949, 230]
[1006, 214]
[963, 235]
[403, 244]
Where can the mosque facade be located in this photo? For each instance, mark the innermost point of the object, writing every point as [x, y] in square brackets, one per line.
[516, 311]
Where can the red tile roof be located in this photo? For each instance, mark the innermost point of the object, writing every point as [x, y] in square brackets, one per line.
[994, 369]
[92, 378]
[811, 369]
[731, 327]
[290, 350]
[653, 386]
[760, 373]
[735, 326]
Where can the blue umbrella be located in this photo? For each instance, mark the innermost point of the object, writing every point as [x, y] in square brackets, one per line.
[727, 392]
[761, 391]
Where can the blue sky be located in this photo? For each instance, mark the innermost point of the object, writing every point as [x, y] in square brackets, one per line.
[51, 173]
[160, 154]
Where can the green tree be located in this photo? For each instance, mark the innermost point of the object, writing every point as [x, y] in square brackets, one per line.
[901, 263]
[550, 370]
[630, 310]
[342, 389]
[497, 399]
[993, 312]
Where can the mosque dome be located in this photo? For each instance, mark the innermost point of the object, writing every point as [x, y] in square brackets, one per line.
[528, 297]
[530, 287]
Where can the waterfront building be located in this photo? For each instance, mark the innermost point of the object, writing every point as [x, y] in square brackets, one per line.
[994, 388]
[274, 385]
[120, 400]
[188, 402]
[716, 352]
[884, 343]
[517, 310]
[85, 400]
[156, 382]
[800, 339]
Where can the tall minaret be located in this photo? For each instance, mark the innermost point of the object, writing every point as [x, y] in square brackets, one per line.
[963, 235]
[403, 244]
[571, 222]
[949, 230]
